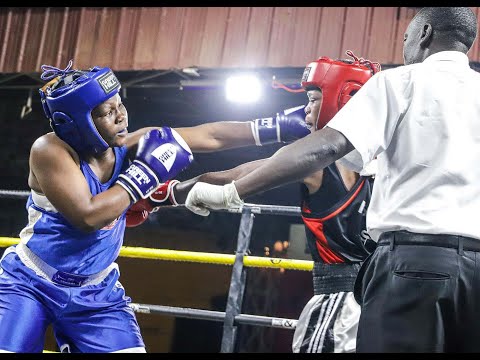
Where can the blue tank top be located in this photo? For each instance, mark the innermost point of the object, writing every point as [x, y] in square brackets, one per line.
[61, 245]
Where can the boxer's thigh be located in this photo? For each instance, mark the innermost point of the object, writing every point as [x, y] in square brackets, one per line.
[99, 320]
[23, 317]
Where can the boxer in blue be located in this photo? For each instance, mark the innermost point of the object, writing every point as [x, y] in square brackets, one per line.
[84, 176]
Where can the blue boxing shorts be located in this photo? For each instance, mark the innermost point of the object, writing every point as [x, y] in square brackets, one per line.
[94, 317]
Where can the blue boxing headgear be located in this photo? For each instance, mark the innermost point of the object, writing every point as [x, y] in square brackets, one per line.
[69, 100]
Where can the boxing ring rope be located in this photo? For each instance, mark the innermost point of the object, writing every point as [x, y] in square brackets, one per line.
[211, 315]
[232, 316]
[255, 208]
[198, 257]
[14, 194]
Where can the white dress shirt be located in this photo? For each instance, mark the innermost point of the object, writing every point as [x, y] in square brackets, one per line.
[422, 122]
[353, 161]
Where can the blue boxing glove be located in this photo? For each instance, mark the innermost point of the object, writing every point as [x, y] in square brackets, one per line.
[285, 127]
[161, 155]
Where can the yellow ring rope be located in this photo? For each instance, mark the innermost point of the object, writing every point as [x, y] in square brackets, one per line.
[199, 257]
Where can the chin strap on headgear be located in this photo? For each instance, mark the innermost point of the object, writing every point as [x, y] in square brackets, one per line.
[68, 100]
[338, 80]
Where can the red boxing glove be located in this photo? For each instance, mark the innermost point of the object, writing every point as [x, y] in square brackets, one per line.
[163, 196]
[135, 217]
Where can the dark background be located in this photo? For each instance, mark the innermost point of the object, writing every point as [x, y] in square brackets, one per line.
[164, 101]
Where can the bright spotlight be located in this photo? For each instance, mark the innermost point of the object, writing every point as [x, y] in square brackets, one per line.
[243, 88]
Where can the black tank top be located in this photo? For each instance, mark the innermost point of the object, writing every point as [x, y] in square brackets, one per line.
[335, 219]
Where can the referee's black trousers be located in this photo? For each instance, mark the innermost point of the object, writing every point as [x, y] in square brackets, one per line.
[420, 293]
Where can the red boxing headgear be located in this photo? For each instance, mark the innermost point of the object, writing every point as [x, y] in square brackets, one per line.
[338, 80]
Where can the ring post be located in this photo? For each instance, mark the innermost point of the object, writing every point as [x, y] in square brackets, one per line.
[237, 282]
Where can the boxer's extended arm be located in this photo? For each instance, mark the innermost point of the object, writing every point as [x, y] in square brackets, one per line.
[291, 163]
[216, 136]
[208, 137]
[173, 193]
[217, 178]
[295, 161]
[286, 126]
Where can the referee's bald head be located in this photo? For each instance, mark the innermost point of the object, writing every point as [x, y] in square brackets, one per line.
[450, 24]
